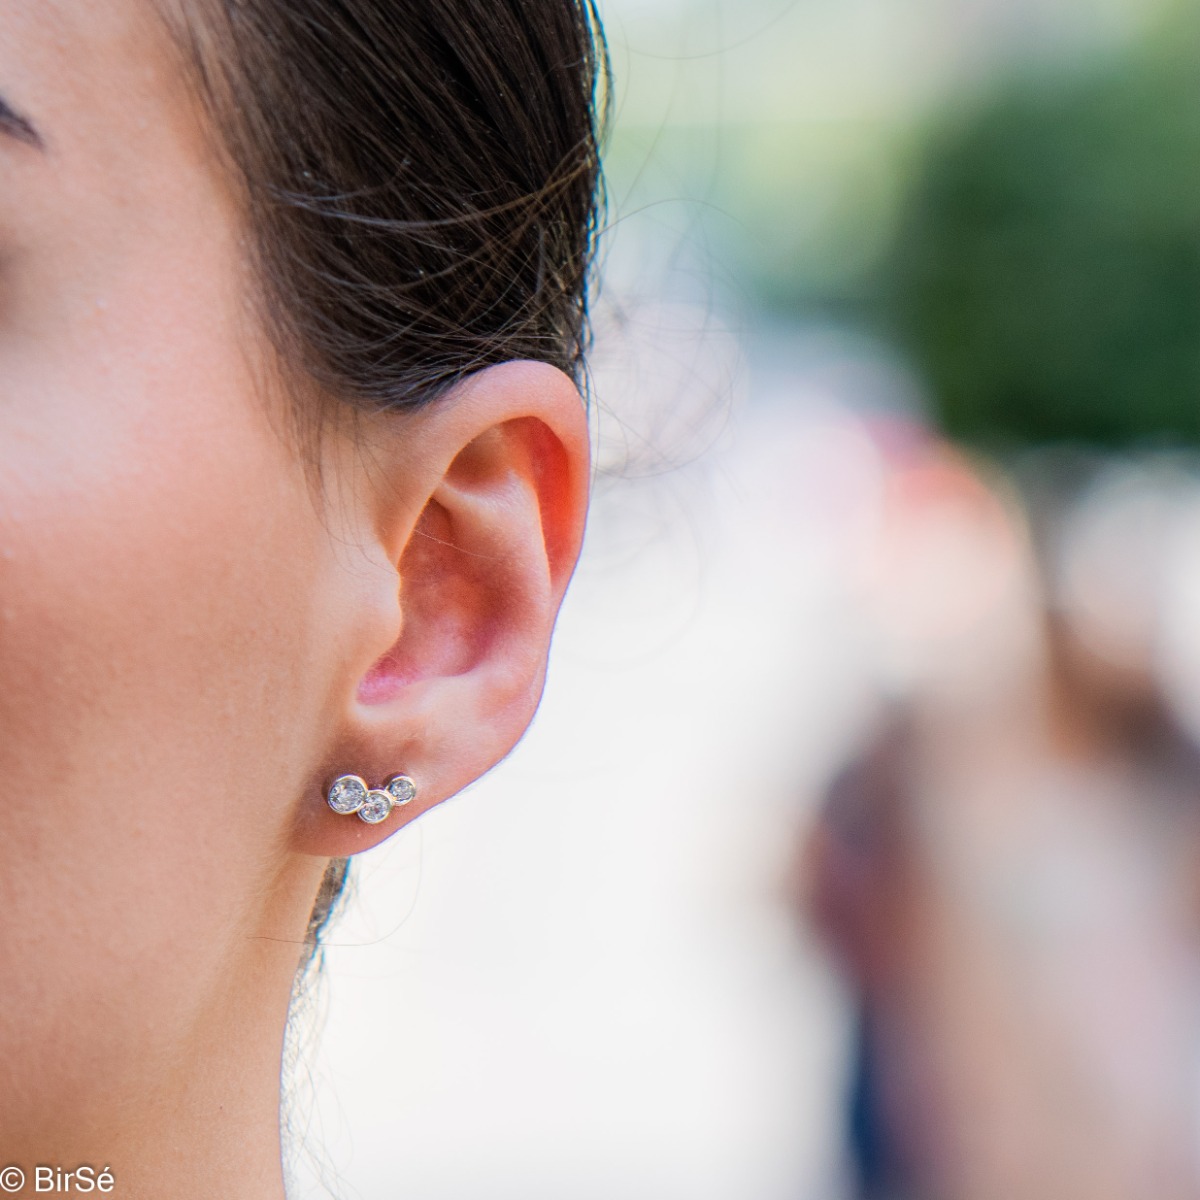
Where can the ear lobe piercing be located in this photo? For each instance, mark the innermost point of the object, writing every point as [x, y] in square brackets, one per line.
[349, 794]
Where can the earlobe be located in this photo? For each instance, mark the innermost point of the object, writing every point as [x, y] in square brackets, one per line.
[497, 478]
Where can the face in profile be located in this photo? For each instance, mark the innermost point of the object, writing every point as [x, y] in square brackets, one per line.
[207, 614]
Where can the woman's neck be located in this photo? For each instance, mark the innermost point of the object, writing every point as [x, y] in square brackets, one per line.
[196, 1115]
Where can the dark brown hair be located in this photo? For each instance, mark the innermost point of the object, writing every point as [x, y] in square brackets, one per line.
[421, 179]
[422, 187]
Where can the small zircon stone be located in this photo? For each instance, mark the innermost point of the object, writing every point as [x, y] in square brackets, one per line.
[401, 789]
[377, 807]
[348, 794]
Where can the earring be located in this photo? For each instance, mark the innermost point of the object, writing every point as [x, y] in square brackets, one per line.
[350, 794]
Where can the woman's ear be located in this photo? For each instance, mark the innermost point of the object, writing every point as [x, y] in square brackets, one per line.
[473, 511]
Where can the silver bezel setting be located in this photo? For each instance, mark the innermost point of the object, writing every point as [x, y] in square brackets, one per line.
[377, 807]
[401, 789]
[342, 793]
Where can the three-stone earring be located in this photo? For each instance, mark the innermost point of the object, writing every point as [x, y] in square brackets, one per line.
[349, 794]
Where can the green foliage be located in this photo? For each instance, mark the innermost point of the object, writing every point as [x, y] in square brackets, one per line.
[1047, 277]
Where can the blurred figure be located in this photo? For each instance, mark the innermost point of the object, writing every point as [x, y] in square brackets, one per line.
[1009, 870]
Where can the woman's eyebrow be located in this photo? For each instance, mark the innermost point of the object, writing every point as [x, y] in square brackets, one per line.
[17, 126]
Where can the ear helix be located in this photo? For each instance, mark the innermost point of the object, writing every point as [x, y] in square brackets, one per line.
[349, 794]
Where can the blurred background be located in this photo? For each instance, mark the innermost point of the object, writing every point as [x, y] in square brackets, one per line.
[855, 851]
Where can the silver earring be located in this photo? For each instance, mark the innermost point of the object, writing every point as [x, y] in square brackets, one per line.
[349, 794]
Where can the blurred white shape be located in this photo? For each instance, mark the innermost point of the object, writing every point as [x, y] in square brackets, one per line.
[1127, 576]
[1178, 648]
[1114, 557]
[666, 382]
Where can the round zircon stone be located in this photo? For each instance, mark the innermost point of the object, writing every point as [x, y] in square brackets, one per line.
[348, 794]
[377, 807]
[401, 789]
